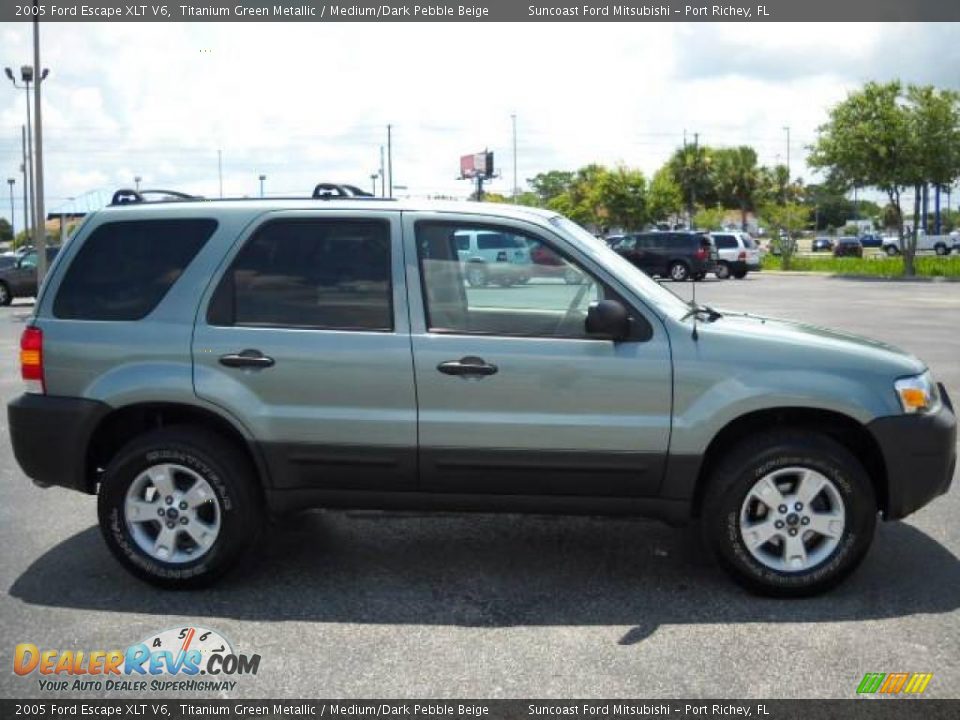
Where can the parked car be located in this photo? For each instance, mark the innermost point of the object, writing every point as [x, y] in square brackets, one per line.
[493, 257]
[940, 244]
[20, 279]
[678, 255]
[848, 247]
[547, 263]
[613, 240]
[821, 244]
[202, 366]
[737, 254]
[871, 240]
[7, 261]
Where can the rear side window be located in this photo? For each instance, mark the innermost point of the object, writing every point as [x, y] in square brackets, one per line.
[725, 242]
[317, 274]
[125, 269]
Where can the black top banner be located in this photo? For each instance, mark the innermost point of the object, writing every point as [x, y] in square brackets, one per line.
[480, 11]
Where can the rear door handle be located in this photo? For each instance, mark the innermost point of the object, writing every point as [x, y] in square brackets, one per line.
[469, 365]
[247, 358]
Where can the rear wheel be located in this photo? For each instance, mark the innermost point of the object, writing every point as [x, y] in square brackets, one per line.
[941, 249]
[789, 513]
[892, 250]
[723, 271]
[679, 271]
[179, 506]
[5, 295]
[740, 274]
[476, 275]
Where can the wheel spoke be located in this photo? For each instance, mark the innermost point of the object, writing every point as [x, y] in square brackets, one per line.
[165, 543]
[201, 533]
[768, 493]
[759, 533]
[198, 494]
[162, 479]
[795, 553]
[138, 510]
[827, 524]
[810, 485]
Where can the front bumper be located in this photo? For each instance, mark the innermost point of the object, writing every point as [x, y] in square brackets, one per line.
[50, 436]
[920, 453]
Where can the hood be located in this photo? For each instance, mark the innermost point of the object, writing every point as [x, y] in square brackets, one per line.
[810, 345]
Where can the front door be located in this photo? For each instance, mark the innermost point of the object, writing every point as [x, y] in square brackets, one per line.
[305, 340]
[514, 396]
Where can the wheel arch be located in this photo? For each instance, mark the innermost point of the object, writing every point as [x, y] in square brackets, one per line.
[844, 429]
[125, 423]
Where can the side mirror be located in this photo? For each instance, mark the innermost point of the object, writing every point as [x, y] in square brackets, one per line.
[608, 318]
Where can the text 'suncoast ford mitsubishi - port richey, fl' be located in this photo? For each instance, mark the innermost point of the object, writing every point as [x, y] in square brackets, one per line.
[203, 365]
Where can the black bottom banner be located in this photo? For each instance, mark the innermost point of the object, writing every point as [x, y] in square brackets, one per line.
[872, 709]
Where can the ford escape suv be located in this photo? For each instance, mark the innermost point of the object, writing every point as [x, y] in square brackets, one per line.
[202, 366]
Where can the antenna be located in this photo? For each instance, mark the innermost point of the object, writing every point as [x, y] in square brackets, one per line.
[696, 335]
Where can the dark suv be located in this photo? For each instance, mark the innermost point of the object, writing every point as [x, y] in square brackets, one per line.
[20, 280]
[678, 255]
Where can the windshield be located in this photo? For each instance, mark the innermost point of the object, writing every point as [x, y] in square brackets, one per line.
[645, 286]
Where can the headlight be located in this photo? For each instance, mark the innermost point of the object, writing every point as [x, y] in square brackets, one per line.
[918, 394]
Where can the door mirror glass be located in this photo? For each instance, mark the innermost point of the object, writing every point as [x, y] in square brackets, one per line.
[608, 318]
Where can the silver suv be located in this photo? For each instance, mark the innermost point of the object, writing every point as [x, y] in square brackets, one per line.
[204, 365]
[737, 253]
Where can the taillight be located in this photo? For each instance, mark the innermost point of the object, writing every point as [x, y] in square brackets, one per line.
[702, 253]
[742, 255]
[31, 359]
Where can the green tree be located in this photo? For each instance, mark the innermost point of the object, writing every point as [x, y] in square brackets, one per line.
[551, 184]
[6, 232]
[791, 218]
[709, 218]
[884, 137]
[622, 193]
[664, 197]
[691, 167]
[737, 179]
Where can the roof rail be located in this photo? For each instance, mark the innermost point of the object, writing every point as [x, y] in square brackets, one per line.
[127, 196]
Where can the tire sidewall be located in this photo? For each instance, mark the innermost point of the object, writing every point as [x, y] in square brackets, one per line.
[723, 271]
[860, 520]
[111, 500]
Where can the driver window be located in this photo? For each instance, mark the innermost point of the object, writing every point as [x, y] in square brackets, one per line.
[488, 280]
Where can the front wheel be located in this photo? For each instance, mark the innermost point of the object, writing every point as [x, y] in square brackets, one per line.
[477, 275]
[723, 271]
[941, 249]
[740, 274]
[789, 513]
[178, 507]
[892, 250]
[6, 297]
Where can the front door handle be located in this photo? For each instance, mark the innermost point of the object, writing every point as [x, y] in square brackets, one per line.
[247, 358]
[467, 366]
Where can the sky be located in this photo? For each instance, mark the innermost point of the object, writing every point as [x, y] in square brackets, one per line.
[306, 103]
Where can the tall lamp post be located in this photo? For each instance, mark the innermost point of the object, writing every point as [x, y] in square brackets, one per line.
[373, 181]
[262, 178]
[26, 76]
[787, 129]
[136, 182]
[13, 230]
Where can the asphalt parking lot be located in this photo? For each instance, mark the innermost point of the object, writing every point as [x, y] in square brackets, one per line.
[402, 606]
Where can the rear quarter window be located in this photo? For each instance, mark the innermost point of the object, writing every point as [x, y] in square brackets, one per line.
[124, 269]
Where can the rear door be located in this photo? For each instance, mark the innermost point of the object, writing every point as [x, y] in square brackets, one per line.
[304, 338]
[514, 396]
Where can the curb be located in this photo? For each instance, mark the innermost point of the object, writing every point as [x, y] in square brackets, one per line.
[868, 278]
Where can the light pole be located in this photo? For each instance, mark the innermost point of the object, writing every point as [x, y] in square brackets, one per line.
[390, 159]
[13, 230]
[262, 178]
[136, 182]
[26, 75]
[41, 244]
[373, 182]
[787, 129]
[513, 119]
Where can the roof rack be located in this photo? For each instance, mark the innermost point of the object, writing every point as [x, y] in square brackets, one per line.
[329, 191]
[127, 196]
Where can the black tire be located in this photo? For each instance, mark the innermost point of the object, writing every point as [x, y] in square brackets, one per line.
[6, 297]
[678, 271]
[740, 274]
[941, 249]
[723, 271]
[745, 465]
[892, 250]
[219, 463]
[477, 275]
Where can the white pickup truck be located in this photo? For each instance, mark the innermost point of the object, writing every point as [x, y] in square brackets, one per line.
[940, 244]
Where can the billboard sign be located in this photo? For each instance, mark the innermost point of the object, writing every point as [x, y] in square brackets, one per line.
[476, 165]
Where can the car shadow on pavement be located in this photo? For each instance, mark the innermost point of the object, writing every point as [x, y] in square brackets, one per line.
[494, 571]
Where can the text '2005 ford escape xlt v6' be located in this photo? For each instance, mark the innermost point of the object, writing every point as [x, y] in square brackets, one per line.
[201, 365]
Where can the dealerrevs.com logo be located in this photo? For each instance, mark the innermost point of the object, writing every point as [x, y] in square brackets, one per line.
[179, 659]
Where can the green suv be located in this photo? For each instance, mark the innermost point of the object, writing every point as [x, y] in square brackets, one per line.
[203, 366]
